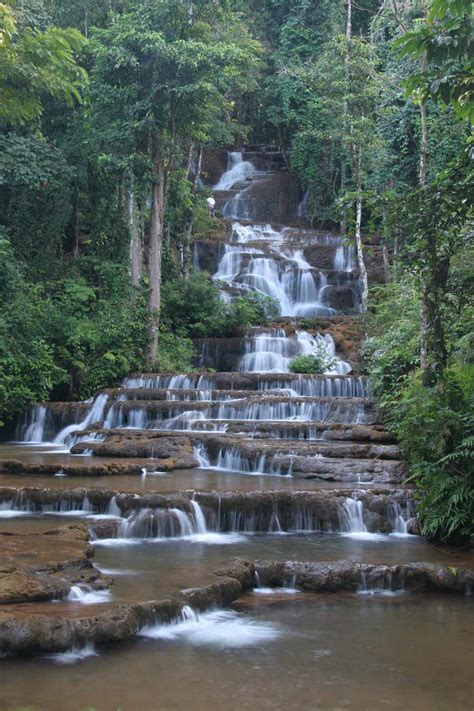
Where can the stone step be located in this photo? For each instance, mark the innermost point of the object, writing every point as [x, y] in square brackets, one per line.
[261, 430]
[140, 445]
[246, 381]
[149, 413]
[205, 395]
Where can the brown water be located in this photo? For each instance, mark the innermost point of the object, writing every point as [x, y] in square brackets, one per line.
[197, 479]
[156, 569]
[324, 652]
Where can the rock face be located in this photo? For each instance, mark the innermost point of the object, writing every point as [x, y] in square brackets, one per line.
[36, 567]
[349, 576]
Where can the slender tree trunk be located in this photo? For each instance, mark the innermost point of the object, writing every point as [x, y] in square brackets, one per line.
[186, 243]
[155, 252]
[385, 248]
[364, 282]
[136, 243]
[343, 222]
[75, 223]
[433, 273]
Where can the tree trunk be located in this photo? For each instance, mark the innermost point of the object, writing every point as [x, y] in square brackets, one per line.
[75, 223]
[343, 222]
[360, 249]
[186, 243]
[136, 250]
[155, 251]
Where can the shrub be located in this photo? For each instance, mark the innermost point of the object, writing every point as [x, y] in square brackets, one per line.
[315, 363]
[434, 427]
[175, 353]
[193, 307]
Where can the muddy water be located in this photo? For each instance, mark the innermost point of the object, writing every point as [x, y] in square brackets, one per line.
[156, 569]
[197, 479]
[323, 652]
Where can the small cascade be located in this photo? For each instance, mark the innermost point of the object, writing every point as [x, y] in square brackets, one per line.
[230, 460]
[352, 517]
[317, 387]
[238, 171]
[76, 654]
[38, 428]
[86, 595]
[400, 525]
[273, 351]
[33, 430]
[344, 258]
[219, 628]
[381, 582]
[94, 414]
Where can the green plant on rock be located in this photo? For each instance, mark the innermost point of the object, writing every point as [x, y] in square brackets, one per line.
[315, 363]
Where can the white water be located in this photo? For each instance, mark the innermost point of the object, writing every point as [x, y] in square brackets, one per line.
[344, 259]
[74, 655]
[279, 272]
[35, 430]
[273, 351]
[221, 628]
[238, 171]
[85, 595]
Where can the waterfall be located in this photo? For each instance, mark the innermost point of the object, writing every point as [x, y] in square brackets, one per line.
[344, 259]
[381, 582]
[282, 274]
[86, 595]
[94, 414]
[273, 351]
[352, 517]
[238, 171]
[399, 524]
[33, 431]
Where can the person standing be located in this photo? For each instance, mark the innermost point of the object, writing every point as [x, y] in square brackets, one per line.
[211, 204]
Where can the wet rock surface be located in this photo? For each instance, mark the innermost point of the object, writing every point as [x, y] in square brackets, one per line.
[35, 567]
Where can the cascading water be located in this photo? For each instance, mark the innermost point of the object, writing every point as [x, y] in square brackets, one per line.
[238, 171]
[94, 414]
[276, 271]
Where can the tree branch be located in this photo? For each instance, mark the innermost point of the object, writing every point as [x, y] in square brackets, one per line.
[397, 17]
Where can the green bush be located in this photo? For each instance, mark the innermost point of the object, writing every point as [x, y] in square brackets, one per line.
[175, 353]
[434, 427]
[315, 363]
[193, 307]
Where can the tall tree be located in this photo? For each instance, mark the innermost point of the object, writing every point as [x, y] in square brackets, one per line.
[161, 76]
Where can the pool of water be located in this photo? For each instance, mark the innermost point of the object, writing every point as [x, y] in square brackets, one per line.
[150, 570]
[278, 653]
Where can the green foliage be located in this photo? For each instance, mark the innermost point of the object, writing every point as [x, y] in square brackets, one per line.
[392, 350]
[443, 45]
[35, 63]
[316, 363]
[194, 307]
[433, 426]
[175, 353]
[67, 339]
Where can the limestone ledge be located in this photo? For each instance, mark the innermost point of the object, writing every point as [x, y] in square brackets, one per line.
[37, 634]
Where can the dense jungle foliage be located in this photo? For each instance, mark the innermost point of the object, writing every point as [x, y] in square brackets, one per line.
[105, 111]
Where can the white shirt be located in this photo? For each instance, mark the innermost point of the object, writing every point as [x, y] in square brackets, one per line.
[211, 202]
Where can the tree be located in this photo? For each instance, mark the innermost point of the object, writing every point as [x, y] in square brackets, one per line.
[161, 76]
[442, 43]
[33, 64]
